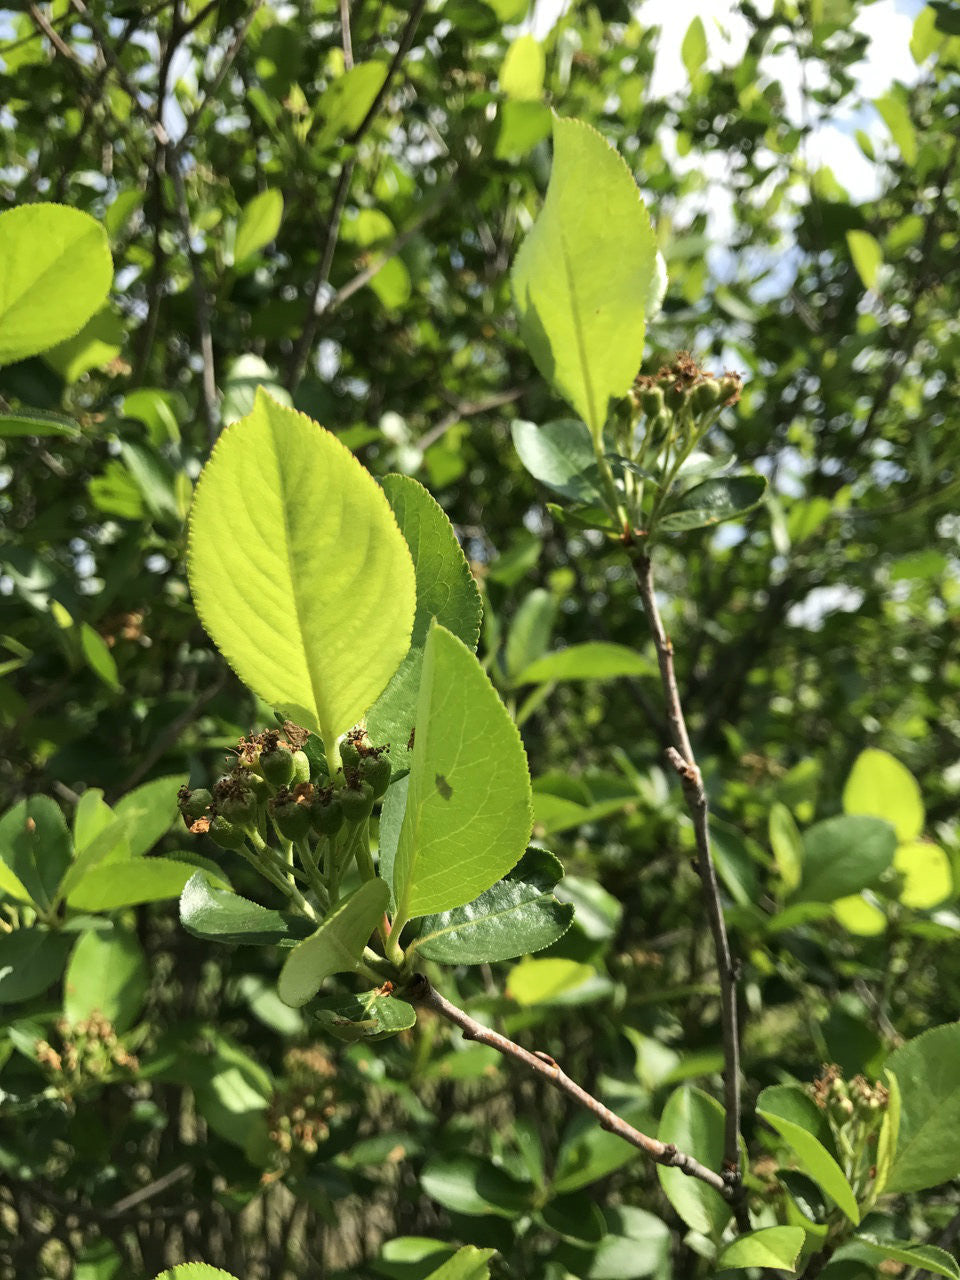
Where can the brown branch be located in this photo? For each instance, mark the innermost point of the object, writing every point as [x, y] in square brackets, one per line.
[467, 409]
[421, 992]
[211, 405]
[229, 57]
[392, 249]
[46, 26]
[303, 345]
[682, 759]
[403, 48]
[347, 38]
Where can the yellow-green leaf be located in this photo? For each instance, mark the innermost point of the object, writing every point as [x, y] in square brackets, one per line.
[882, 787]
[586, 275]
[298, 570]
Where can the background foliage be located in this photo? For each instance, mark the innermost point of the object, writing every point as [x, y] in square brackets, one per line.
[274, 220]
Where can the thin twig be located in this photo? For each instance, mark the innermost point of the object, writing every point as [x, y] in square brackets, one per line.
[467, 409]
[403, 48]
[347, 39]
[211, 405]
[210, 92]
[155, 1188]
[303, 345]
[682, 759]
[301, 349]
[172, 732]
[44, 24]
[390, 251]
[421, 992]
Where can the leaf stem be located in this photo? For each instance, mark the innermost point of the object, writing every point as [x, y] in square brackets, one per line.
[420, 991]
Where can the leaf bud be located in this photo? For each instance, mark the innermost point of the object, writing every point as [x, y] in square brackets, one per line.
[225, 834]
[376, 771]
[357, 802]
[277, 765]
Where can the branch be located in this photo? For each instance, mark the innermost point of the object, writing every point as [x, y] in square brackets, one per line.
[466, 409]
[421, 992]
[301, 350]
[347, 38]
[211, 405]
[681, 757]
[403, 48]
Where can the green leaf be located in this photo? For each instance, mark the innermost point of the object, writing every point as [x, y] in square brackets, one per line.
[370, 1016]
[927, 878]
[530, 630]
[879, 785]
[775, 1247]
[36, 422]
[222, 916]
[107, 973]
[693, 1121]
[244, 377]
[588, 1153]
[867, 256]
[693, 50]
[586, 274]
[592, 660]
[787, 846]
[523, 69]
[337, 945]
[148, 812]
[445, 590]
[889, 1138]
[258, 224]
[560, 455]
[928, 1073]
[713, 501]
[35, 846]
[343, 105]
[468, 1263]
[195, 1271]
[30, 961]
[843, 855]
[927, 1257]
[782, 1108]
[469, 1185]
[896, 117]
[298, 569]
[516, 916]
[98, 656]
[126, 884]
[55, 272]
[468, 814]
[98, 342]
[522, 126]
[540, 981]
[636, 1244]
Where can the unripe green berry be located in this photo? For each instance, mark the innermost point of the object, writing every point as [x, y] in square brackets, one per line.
[376, 771]
[705, 395]
[731, 384]
[327, 816]
[651, 401]
[301, 767]
[225, 834]
[240, 807]
[277, 766]
[675, 395]
[349, 756]
[292, 819]
[193, 804]
[357, 802]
